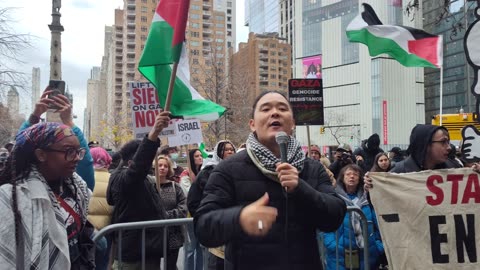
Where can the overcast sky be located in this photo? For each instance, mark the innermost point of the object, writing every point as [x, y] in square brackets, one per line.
[82, 41]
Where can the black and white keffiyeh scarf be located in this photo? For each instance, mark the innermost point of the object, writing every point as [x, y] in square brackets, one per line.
[265, 160]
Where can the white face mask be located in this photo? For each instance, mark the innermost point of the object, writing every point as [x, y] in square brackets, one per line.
[174, 156]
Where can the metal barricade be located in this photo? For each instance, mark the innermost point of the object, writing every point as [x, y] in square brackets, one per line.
[144, 225]
[364, 224]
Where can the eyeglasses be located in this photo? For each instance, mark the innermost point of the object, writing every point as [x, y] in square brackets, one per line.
[70, 153]
[444, 142]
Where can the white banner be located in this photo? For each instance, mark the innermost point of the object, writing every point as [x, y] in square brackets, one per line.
[429, 219]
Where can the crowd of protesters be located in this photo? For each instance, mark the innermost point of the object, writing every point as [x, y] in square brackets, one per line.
[251, 210]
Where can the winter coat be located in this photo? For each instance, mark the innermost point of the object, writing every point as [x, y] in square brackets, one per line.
[420, 139]
[237, 182]
[346, 235]
[368, 150]
[135, 198]
[195, 193]
[99, 211]
[175, 204]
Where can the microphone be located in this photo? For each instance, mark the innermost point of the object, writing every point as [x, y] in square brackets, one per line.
[282, 140]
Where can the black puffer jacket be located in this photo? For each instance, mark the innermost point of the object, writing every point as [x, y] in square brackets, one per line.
[135, 198]
[420, 139]
[237, 182]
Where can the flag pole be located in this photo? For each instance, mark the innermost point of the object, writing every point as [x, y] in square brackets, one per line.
[441, 93]
[171, 85]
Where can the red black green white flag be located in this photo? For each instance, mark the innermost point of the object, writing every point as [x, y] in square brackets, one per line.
[164, 47]
[409, 46]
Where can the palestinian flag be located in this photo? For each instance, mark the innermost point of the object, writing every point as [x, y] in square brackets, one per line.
[164, 47]
[409, 46]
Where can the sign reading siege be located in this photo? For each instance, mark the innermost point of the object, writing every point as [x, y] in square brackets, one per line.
[306, 98]
[145, 107]
[429, 219]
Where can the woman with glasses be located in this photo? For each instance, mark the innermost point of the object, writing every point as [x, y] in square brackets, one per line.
[346, 245]
[85, 166]
[44, 202]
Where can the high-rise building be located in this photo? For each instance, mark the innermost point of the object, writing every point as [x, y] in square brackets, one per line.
[207, 47]
[228, 6]
[263, 64]
[94, 104]
[13, 101]
[35, 86]
[458, 76]
[362, 94]
[262, 16]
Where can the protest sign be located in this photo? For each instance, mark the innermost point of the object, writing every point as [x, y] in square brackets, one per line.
[429, 219]
[186, 132]
[145, 107]
[306, 98]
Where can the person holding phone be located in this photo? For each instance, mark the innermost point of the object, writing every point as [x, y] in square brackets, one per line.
[64, 109]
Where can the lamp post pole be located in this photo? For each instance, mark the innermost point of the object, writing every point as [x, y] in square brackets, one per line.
[225, 117]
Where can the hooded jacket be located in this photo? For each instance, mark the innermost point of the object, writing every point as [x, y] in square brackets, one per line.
[135, 198]
[369, 149]
[196, 190]
[420, 139]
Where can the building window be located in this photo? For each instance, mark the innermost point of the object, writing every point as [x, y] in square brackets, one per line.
[194, 7]
[195, 52]
[195, 16]
[195, 25]
[195, 34]
[144, 9]
[350, 51]
[144, 29]
[195, 61]
[143, 18]
[273, 45]
[143, 38]
[194, 43]
[220, 25]
[144, 1]
[219, 40]
[229, 4]
[219, 18]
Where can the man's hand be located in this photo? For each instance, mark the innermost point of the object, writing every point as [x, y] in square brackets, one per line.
[64, 109]
[161, 122]
[42, 104]
[256, 219]
[288, 176]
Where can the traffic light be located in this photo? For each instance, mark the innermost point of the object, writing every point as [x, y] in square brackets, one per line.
[322, 130]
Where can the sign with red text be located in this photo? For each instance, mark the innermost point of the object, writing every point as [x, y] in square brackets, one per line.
[429, 219]
[145, 107]
[385, 123]
[306, 98]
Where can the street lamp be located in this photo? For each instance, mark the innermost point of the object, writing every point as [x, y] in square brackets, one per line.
[225, 117]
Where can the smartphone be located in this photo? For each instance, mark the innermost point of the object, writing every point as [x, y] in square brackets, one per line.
[58, 87]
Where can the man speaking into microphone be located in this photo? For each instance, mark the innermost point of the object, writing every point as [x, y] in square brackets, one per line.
[266, 203]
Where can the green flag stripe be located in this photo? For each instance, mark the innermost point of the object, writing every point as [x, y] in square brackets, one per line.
[378, 45]
[158, 49]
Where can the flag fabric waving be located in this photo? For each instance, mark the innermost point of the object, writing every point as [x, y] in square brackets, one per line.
[409, 46]
[164, 47]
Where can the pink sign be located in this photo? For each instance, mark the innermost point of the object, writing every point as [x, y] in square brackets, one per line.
[385, 125]
[312, 67]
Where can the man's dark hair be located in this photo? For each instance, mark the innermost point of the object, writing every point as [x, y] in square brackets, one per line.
[129, 149]
[262, 95]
